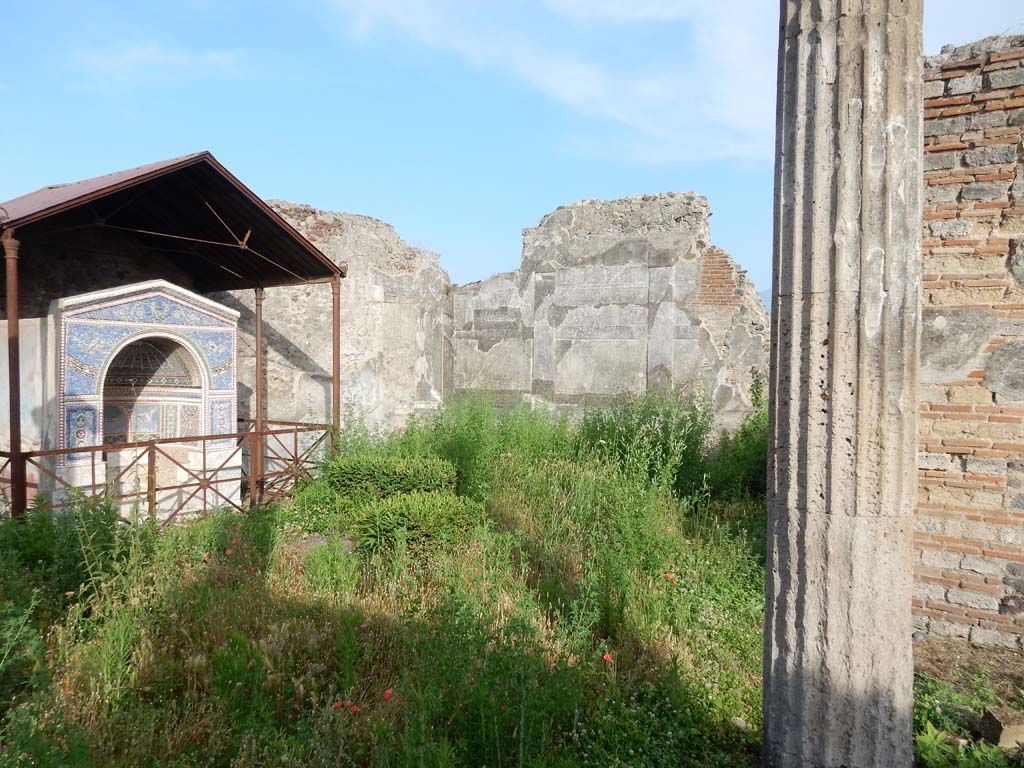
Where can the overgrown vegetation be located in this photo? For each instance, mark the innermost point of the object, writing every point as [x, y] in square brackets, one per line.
[480, 588]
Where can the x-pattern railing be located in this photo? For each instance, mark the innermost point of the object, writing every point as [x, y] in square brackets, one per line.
[282, 453]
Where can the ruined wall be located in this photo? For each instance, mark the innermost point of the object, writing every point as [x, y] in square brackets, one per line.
[614, 297]
[970, 523]
[395, 359]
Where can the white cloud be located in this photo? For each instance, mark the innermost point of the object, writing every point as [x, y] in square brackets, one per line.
[714, 98]
[142, 63]
[711, 97]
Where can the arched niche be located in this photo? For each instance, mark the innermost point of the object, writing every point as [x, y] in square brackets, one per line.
[154, 387]
[154, 331]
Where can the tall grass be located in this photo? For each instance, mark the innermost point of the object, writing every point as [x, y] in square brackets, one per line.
[589, 600]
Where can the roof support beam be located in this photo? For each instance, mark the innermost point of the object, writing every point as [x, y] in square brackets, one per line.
[256, 453]
[18, 482]
[335, 358]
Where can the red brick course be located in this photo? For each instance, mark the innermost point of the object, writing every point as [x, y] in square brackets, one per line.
[969, 527]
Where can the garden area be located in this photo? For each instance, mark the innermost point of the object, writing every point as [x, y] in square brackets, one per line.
[482, 588]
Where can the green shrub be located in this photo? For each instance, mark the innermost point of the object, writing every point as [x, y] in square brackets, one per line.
[656, 435]
[739, 466]
[65, 549]
[378, 477]
[938, 749]
[476, 435]
[418, 519]
[315, 507]
[956, 709]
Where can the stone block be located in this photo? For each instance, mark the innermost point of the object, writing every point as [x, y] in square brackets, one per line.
[941, 628]
[928, 591]
[949, 228]
[1017, 262]
[986, 566]
[941, 193]
[933, 89]
[967, 394]
[953, 341]
[1006, 78]
[934, 461]
[601, 367]
[945, 126]
[982, 466]
[985, 191]
[972, 600]
[934, 161]
[985, 120]
[993, 638]
[1002, 726]
[1003, 372]
[966, 84]
[996, 154]
[937, 558]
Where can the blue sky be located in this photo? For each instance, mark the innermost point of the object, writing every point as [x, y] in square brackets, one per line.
[458, 121]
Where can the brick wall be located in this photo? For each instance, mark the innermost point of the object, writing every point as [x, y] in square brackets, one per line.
[969, 531]
[719, 281]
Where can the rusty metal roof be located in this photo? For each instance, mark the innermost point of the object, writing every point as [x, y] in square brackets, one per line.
[238, 240]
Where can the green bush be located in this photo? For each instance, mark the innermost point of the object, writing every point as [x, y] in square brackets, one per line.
[418, 519]
[477, 436]
[315, 507]
[378, 477]
[656, 435]
[65, 549]
[739, 467]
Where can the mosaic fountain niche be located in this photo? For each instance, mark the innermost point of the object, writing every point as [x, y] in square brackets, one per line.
[143, 362]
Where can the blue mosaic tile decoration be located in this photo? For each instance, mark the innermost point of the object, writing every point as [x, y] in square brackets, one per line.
[218, 349]
[94, 334]
[88, 349]
[80, 428]
[155, 310]
[220, 417]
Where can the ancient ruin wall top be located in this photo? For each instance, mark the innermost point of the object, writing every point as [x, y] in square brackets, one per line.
[987, 45]
[639, 214]
[673, 221]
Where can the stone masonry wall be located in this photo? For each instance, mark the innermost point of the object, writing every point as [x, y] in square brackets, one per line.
[395, 356]
[614, 297]
[969, 536]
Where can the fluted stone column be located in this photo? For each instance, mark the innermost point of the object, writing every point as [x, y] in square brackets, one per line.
[843, 390]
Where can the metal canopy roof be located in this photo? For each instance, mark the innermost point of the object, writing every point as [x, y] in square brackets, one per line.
[190, 207]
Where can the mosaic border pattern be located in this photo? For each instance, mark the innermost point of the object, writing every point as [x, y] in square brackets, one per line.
[90, 336]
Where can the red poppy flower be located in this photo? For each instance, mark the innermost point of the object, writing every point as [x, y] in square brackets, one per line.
[388, 694]
[234, 541]
[228, 551]
[607, 657]
[337, 704]
[356, 709]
